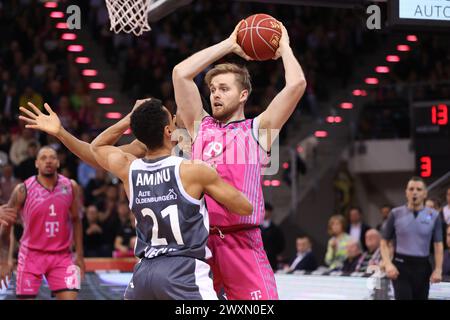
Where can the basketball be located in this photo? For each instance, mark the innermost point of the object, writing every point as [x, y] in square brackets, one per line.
[259, 36]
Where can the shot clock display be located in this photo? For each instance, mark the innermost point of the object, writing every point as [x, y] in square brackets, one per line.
[431, 138]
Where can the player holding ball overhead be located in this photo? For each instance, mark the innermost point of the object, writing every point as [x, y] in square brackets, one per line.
[236, 146]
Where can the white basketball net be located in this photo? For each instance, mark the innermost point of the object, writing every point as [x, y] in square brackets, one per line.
[129, 15]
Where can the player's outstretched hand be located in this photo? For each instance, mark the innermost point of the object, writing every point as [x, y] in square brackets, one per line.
[37, 120]
[7, 215]
[236, 47]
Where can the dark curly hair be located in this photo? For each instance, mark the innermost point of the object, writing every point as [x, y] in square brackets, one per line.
[148, 121]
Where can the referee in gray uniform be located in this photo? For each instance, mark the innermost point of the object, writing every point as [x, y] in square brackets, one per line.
[166, 198]
[413, 226]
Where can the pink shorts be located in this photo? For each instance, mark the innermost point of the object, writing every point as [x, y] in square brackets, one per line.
[58, 269]
[240, 266]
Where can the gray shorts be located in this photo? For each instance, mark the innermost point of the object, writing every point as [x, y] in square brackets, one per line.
[171, 278]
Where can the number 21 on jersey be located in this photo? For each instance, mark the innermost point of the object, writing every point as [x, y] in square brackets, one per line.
[172, 212]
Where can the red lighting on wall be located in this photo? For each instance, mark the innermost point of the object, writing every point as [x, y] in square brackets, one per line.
[371, 81]
[113, 115]
[82, 60]
[75, 48]
[89, 72]
[97, 86]
[57, 14]
[68, 36]
[346, 105]
[275, 183]
[61, 25]
[332, 119]
[382, 69]
[50, 5]
[392, 58]
[412, 38]
[403, 48]
[321, 134]
[105, 100]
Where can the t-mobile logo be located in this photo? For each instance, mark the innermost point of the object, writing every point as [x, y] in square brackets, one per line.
[256, 295]
[51, 228]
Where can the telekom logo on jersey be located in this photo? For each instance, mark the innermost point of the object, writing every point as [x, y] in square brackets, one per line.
[51, 228]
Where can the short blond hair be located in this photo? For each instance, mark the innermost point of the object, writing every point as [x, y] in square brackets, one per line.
[241, 73]
[339, 218]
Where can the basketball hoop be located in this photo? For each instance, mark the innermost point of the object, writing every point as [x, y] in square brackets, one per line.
[129, 15]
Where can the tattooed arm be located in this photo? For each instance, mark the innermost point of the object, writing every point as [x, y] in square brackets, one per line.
[16, 202]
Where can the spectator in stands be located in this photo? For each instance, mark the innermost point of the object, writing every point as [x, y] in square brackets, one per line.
[53, 93]
[29, 95]
[9, 100]
[67, 162]
[304, 259]
[446, 264]
[93, 233]
[337, 245]
[27, 167]
[372, 256]
[446, 210]
[66, 115]
[124, 242]
[343, 187]
[19, 147]
[84, 171]
[433, 203]
[7, 183]
[353, 256]
[96, 188]
[5, 141]
[357, 228]
[272, 237]
[87, 112]
[384, 212]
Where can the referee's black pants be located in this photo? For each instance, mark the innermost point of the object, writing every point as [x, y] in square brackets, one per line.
[413, 282]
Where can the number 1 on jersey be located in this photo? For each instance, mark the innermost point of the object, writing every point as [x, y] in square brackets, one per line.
[52, 210]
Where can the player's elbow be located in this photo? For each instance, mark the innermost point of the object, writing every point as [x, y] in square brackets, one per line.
[297, 88]
[179, 73]
[94, 147]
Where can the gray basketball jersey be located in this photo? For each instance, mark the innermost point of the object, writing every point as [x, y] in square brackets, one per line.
[168, 220]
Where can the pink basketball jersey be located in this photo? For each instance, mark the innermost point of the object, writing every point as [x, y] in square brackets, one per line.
[235, 153]
[46, 216]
